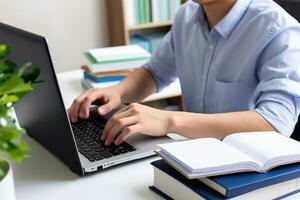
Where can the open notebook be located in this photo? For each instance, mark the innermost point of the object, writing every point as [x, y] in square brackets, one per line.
[239, 152]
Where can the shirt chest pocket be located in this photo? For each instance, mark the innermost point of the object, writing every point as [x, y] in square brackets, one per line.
[229, 75]
[232, 96]
[232, 71]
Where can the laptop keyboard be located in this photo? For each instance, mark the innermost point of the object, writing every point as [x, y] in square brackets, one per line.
[87, 135]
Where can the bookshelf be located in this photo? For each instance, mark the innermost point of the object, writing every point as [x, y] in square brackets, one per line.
[120, 30]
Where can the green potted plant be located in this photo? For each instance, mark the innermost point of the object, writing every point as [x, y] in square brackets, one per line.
[15, 82]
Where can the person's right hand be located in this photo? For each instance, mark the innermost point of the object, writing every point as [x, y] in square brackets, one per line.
[109, 99]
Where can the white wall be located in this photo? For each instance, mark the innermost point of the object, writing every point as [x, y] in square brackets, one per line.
[71, 26]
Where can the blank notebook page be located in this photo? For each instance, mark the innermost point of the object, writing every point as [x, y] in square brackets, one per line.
[264, 145]
[204, 153]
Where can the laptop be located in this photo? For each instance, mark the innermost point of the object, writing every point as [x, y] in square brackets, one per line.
[43, 114]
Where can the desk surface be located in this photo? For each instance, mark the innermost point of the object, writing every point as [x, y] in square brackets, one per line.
[70, 83]
[43, 176]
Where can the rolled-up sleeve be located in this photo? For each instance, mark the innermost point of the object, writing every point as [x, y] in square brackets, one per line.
[277, 96]
[162, 64]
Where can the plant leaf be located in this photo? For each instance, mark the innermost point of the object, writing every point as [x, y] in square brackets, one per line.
[3, 110]
[4, 50]
[31, 76]
[2, 174]
[14, 85]
[9, 99]
[9, 133]
[7, 66]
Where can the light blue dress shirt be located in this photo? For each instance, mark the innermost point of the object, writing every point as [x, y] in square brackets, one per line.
[249, 61]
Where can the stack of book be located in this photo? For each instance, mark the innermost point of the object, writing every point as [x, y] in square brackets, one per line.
[146, 11]
[261, 165]
[112, 64]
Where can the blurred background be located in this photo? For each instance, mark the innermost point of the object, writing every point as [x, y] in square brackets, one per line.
[71, 26]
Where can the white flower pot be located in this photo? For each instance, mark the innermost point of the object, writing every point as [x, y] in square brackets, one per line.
[7, 190]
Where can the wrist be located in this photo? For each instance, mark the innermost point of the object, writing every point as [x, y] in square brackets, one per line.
[171, 121]
[120, 91]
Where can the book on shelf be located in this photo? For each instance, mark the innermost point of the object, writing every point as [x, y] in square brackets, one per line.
[153, 39]
[117, 58]
[171, 184]
[142, 42]
[130, 12]
[155, 11]
[239, 152]
[164, 10]
[148, 41]
[146, 11]
[142, 9]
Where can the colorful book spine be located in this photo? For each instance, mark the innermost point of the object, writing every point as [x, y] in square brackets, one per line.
[102, 79]
[164, 10]
[130, 12]
[155, 10]
[147, 11]
[137, 11]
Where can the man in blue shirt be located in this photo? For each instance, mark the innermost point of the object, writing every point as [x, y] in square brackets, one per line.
[238, 62]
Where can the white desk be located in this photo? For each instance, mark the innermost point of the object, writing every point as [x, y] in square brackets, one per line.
[70, 84]
[44, 177]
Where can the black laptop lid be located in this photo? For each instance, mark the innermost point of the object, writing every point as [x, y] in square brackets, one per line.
[41, 112]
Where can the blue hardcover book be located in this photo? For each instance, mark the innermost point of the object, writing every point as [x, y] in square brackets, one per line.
[145, 44]
[196, 186]
[154, 39]
[233, 185]
[240, 183]
[102, 79]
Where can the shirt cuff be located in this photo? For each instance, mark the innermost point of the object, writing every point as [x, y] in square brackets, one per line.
[160, 83]
[278, 116]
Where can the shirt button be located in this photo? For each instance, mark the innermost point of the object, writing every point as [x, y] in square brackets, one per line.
[210, 46]
[204, 76]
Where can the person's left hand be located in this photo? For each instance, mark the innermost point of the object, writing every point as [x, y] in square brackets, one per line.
[135, 118]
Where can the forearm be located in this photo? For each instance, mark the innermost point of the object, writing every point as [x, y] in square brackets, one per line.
[194, 125]
[136, 86]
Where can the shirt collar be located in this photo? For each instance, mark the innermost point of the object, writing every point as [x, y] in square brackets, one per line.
[200, 16]
[231, 19]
